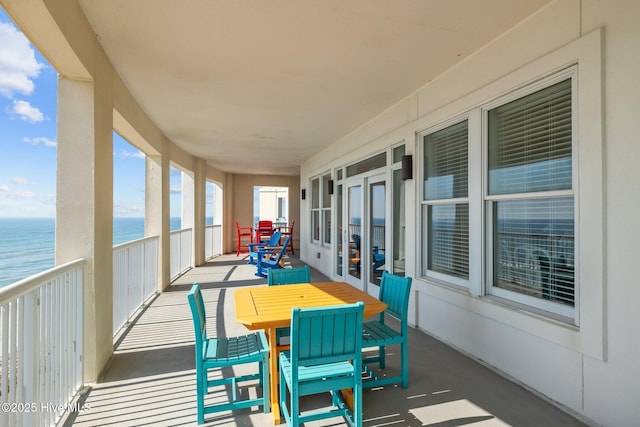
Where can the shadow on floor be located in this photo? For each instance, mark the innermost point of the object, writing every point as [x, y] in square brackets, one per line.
[151, 378]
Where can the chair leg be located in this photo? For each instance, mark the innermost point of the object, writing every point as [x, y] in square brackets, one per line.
[357, 405]
[201, 390]
[295, 407]
[382, 356]
[264, 378]
[282, 388]
[404, 349]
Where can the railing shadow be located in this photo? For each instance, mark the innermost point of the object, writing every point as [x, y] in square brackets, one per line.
[151, 377]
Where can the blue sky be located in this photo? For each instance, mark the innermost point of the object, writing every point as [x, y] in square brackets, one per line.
[28, 138]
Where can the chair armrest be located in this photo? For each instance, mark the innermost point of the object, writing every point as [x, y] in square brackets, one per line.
[268, 250]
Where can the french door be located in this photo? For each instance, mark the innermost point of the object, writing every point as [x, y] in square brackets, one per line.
[365, 232]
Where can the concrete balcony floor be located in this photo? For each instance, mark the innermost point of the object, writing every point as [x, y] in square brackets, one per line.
[151, 380]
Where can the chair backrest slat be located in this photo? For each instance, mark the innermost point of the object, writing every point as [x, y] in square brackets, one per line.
[199, 316]
[326, 334]
[288, 276]
[283, 249]
[275, 238]
[395, 291]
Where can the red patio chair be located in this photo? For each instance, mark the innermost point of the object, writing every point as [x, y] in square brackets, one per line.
[243, 232]
[264, 230]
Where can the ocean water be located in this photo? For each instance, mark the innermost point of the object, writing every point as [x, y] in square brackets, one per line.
[27, 244]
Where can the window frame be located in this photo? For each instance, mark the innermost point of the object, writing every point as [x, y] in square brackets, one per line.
[323, 210]
[488, 200]
[425, 204]
[480, 233]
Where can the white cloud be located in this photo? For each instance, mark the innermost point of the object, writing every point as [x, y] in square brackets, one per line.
[136, 154]
[175, 190]
[18, 63]
[127, 210]
[26, 111]
[49, 199]
[40, 140]
[25, 195]
[7, 193]
[19, 180]
[17, 195]
[25, 203]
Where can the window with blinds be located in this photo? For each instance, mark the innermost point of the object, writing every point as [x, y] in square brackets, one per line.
[321, 210]
[315, 209]
[530, 150]
[446, 194]
[530, 142]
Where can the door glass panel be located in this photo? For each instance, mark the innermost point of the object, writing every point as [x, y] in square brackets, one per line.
[398, 235]
[377, 215]
[354, 216]
[398, 152]
[340, 230]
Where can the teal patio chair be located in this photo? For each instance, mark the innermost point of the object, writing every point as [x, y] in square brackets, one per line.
[215, 353]
[394, 291]
[325, 356]
[268, 258]
[287, 276]
[254, 248]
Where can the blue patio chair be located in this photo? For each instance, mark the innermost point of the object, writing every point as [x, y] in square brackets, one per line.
[325, 356]
[394, 291]
[378, 260]
[268, 258]
[287, 276]
[254, 248]
[213, 353]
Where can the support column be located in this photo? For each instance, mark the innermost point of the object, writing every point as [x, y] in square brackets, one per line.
[187, 208]
[187, 200]
[156, 212]
[199, 211]
[84, 208]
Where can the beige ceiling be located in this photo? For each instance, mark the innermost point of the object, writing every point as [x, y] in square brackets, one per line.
[258, 86]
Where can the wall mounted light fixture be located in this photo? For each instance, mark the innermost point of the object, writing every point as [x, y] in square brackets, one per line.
[407, 167]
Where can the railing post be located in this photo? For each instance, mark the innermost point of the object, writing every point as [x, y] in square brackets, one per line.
[31, 350]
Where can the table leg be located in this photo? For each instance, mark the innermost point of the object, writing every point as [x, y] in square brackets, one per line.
[273, 375]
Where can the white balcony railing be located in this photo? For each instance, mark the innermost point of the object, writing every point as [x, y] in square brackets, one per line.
[41, 321]
[135, 278]
[181, 252]
[212, 241]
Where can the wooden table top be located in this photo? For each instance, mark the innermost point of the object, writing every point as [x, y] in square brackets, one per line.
[265, 307]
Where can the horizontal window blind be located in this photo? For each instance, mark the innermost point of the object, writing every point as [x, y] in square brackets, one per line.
[315, 225]
[533, 244]
[446, 162]
[530, 142]
[448, 229]
[373, 162]
[315, 193]
[326, 197]
[446, 158]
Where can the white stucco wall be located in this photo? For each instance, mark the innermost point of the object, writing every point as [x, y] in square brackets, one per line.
[590, 369]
